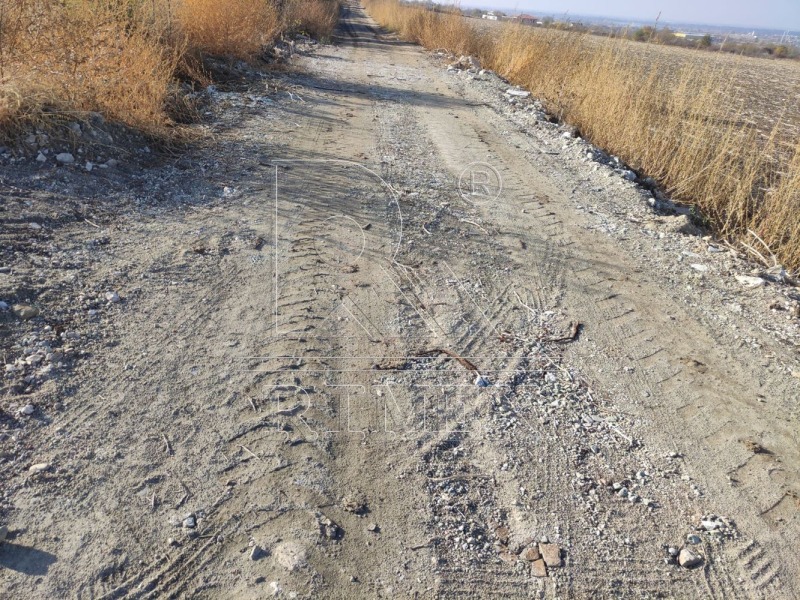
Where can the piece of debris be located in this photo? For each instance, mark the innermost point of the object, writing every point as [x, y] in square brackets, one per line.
[39, 468]
[751, 282]
[257, 552]
[355, 503]
[518, 93]
[189, 522]
[112, 297]
[551, 553]
[27, 410]
[755, 447]
[538, 568]
[373, 527]
[531, 554]
[328, 528]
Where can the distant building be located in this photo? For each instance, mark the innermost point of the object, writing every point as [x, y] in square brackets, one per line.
[526, 19]
[489, 16]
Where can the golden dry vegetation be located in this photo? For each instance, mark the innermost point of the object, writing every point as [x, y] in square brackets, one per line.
[62, 58]
[693, 124]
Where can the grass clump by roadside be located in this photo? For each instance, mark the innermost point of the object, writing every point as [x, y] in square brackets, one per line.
[60, 59]
[683, 124]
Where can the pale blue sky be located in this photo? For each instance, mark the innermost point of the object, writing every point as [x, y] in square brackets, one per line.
[776, 14]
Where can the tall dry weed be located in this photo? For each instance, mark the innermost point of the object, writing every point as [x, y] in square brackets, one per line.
[317, 18]
[65, 58]
[237, 28]
[680, 123]
[62, 58]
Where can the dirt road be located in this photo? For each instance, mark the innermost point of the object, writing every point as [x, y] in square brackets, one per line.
[395, 335]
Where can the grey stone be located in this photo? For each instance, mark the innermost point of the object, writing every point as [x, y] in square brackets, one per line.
[25, 311]
[689, 559]
[65, 158]
[693, 539]
[481, 381]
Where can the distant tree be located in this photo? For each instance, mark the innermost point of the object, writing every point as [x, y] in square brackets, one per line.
[500, 13]
[643, 34]
[705, 41]
[665, 36]
[547, 21]
[781, 51]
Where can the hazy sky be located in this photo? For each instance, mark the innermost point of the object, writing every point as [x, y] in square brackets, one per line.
[777, 14]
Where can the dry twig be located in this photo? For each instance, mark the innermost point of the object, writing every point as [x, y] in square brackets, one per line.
[467, 364]
[168, 445]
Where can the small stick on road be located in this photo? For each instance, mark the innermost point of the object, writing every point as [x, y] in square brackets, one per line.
[250, 452]
[575, 328]
[467, 364]
[476, 225]
[421, 546]
[166, 441]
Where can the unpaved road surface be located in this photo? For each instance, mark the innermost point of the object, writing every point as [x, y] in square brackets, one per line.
[344, 363]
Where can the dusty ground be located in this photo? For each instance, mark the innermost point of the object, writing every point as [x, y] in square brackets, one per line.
[264, 407]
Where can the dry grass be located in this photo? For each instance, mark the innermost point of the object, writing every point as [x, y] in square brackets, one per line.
[690, 130]
[236, 28]
[60, 59]
[312, 17]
